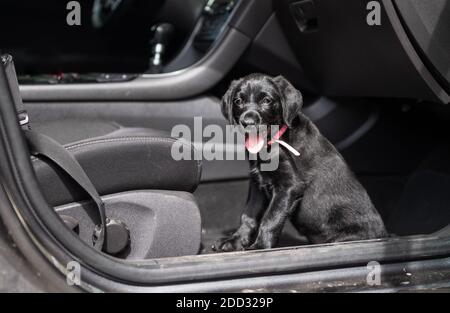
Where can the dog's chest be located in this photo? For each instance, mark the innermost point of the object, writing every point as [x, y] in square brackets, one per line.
[268, 180]
[286, 176]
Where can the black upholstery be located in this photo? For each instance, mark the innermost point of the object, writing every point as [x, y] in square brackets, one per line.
[116, 159]
[71, 130]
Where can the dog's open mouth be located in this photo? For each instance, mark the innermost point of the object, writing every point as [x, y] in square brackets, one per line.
[255, 140]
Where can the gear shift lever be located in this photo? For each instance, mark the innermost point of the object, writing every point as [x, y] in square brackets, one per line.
[159, 42]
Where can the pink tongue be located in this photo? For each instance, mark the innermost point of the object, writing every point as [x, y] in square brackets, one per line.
[254, 143]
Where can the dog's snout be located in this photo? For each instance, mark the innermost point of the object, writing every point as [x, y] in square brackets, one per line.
[250, 118]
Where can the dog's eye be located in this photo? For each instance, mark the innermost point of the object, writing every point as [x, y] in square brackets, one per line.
[237, 101]
[266, 100]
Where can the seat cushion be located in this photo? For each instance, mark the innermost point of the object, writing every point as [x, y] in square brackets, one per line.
[120, 159]
[67, 131]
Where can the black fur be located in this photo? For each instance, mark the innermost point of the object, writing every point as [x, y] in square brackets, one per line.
[316, 190]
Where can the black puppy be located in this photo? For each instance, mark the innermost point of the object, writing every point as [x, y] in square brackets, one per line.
[315, 190]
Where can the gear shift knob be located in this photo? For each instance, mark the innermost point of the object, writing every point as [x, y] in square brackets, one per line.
[159, 42]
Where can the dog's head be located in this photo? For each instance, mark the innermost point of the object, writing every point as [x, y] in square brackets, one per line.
[259, 100]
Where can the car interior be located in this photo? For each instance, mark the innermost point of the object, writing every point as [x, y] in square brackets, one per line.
[112, 89]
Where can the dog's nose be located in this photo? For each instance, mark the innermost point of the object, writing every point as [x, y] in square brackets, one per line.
[250, 118]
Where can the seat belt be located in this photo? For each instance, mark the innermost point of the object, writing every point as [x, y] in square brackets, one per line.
[11, 78]
[47, 147]
[43, 145]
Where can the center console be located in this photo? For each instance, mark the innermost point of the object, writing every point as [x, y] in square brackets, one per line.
[214, 17]
[210, 26]
[223, 32]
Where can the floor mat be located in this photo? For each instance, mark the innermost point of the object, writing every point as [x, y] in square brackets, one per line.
[385, 192]
[221, 205]
[424, 205]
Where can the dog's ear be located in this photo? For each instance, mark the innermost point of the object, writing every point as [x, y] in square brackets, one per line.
[291, 99]
[227, 101]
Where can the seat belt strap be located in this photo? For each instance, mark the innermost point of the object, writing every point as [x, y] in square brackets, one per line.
[11, 77]
[47, 147]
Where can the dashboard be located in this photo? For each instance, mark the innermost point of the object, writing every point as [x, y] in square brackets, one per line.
[326, 47]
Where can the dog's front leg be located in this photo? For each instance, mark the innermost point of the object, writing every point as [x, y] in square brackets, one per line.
[281, 206]
[242, 238]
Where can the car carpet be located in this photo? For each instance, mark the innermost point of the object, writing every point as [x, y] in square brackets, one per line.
[424, 204]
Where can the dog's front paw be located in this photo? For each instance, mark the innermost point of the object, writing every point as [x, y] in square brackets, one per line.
[265, 243]
[232, 243]
[256, 246]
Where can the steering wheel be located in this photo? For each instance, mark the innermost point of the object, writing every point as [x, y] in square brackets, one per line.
[104, 11]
